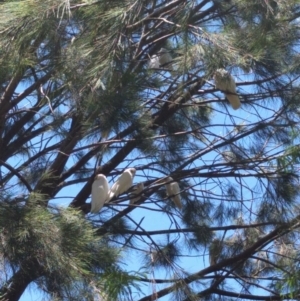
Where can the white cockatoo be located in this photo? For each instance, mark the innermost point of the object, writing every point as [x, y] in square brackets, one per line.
[225, 82]
[154, 62]
[173, 191]
[161, 59]
[123, 183]
[99, 193]
[164, 58]
[137, 192]
[229, 156]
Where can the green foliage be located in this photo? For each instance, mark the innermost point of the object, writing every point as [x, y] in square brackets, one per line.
[164, 256]
[78, 97]
[62, 242]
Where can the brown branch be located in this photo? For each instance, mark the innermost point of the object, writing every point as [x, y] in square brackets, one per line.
[93, 152]
[30, 160]
[17, 174]
[187, 230]
[13, 289]
[47, 186]
[279, 231]
[20, 124]
[156, 13]
[15, 145]
[30, 89]
[251, 297]
[4, 102]
[166, 112]
[7, 95]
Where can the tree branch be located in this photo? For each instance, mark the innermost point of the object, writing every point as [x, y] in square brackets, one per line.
[13, 289]
[279, 231]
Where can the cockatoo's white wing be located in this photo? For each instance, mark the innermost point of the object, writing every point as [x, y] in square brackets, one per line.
[99, 193]
[154, 62]
[167, 180]
[225, 82]
[173, 190]
[232, 96]
[176, 192]
[123, 183]
[138, 191]
[113, 190]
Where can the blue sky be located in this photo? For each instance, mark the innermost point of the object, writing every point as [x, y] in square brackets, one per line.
[224, 121]
[153, 220]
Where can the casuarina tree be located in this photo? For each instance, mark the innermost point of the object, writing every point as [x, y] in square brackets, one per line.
[193, 102]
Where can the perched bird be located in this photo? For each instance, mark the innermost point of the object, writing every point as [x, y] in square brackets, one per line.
[164, 58]
[123, 183]
[99, 193]
[161, 59]
[137, 192]
[154, 62]
[229, 156]
[225, 82]
[173, 191]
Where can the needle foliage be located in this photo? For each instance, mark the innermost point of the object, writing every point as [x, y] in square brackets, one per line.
[79, 98]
